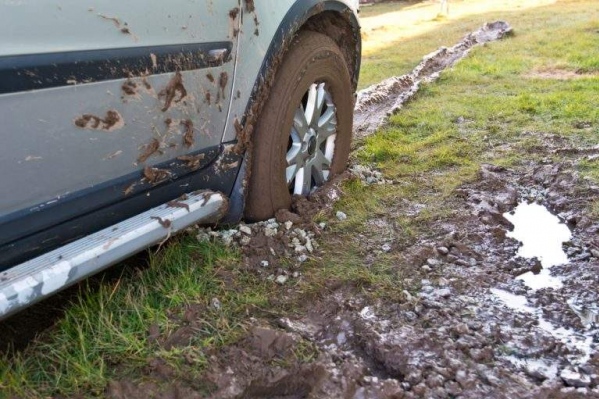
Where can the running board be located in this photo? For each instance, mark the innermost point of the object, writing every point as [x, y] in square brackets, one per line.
[36, 279]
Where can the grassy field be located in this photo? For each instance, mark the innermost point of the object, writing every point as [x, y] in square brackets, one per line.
[491, 107]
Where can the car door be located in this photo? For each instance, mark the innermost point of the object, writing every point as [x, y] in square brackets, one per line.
[98, 99]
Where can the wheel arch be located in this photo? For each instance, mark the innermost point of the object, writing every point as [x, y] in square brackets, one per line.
[343, 28]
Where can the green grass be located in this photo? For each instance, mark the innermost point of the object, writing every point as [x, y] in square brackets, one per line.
[499, 97]
[105, 331]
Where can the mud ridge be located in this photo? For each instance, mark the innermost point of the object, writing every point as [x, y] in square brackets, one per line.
[377, 103]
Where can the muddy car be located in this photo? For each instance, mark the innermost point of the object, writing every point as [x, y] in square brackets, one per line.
[124, 123]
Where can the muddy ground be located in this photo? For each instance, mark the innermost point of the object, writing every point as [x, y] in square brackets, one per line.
[481, 321]
[471, 329]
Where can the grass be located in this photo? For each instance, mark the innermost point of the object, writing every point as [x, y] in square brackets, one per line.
[493, 106]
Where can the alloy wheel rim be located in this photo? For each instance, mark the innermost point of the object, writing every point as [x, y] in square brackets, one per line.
[311, 145]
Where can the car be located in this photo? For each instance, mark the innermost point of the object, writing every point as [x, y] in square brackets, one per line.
[126, 122]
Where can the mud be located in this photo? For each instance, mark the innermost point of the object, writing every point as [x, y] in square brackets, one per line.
[234, 13]
[155, 175]
[464, 325]
[249, 6]
[174, 92]
[188, 136]
[178, 204]
[376, 103]
[148, 150]
[166, 223]
[193, 162]
[111, 122]
[222, 83]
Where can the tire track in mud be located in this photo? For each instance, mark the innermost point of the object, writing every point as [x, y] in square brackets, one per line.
[377, 103]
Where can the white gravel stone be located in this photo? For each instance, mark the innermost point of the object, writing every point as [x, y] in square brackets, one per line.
[443, 250]
[203, 236]
[264, 263]
[341, 216]
[299, 249]
[309, 245]
[282, 279]
[245, 230]
[433, 262]
[386, 247]
[216, 303]
[270, 232]
[302, 258]
[288, 225]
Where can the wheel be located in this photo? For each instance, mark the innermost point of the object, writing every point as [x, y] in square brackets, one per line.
[303, 135]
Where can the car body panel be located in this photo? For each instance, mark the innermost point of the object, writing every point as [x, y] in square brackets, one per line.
[84, 89]
[80, 131]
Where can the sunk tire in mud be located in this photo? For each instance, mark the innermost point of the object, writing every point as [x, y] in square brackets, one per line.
[303, 135]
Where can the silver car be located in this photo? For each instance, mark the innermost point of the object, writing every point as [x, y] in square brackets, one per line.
[125, 122]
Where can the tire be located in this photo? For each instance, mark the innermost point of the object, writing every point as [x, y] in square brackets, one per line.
[313, 79]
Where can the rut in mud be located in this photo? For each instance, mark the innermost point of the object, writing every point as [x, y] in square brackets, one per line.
[376, 103]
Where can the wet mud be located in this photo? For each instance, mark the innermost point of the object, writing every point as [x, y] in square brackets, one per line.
[469, 327]
[376, 103]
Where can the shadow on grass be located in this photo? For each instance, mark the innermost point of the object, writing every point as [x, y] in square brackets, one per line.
[21, 329]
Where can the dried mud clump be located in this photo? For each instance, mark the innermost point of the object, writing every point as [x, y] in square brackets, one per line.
[234, 13]
[129, 87]
[249, 6]
[222, 83]
[174, 92]
[111, 122]
[188, 139]
[155, 175]
[193, 162]
[148, 150]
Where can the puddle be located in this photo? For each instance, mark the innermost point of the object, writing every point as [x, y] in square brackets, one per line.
[571, 338]
[542, 235]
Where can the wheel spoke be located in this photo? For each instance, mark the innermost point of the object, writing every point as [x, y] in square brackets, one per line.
[290, 173]
[303, 181]
[327, 120]
[311, 104]
[320, 98]
[293, 153]
[300, 124]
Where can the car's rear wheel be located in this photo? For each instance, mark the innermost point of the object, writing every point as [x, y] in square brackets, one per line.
[303, 135]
